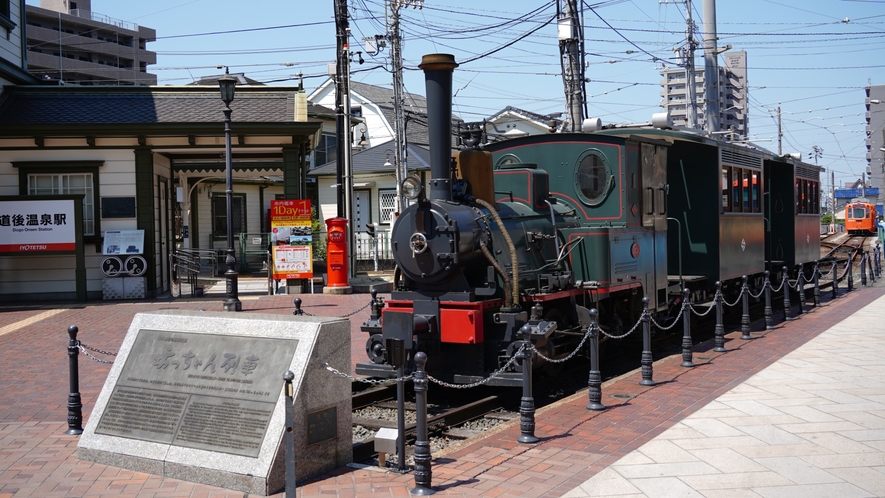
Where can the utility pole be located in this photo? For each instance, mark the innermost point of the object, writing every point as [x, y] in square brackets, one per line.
[711, 68]
[341, 28]
[780, 132]
[687, 52]
[571, 51]
[396, 56]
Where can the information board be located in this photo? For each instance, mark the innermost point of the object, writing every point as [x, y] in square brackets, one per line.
[123, 242]
[203, 391]
[291, 239]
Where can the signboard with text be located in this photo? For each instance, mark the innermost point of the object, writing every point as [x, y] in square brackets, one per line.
[123, 242]
[37, 226]
[291, 239]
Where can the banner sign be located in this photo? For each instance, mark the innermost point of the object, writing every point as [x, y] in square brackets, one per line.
[37, 226]
[291, 239]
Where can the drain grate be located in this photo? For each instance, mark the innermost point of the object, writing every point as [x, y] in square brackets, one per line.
[621, 396]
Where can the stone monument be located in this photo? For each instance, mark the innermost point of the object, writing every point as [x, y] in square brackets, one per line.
[198, 396]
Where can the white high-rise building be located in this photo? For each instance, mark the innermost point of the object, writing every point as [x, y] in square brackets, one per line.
[733, 116]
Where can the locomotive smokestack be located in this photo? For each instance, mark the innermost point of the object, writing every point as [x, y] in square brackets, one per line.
[438, 70]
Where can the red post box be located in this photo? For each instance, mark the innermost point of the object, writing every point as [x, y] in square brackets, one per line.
[336, 251]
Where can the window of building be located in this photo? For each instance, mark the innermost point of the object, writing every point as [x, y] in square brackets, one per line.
[327, 151]
[219, 215]
[387, 205]
[5, 18]
[68, 184]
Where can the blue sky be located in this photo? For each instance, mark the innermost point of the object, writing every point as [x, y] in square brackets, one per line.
[813, 57]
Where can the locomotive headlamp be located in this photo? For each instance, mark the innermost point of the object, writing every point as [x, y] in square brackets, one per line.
[412, 187]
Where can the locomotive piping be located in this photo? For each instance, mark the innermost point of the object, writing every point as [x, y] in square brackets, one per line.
[514, 264]
[438, 70]
[508, 299]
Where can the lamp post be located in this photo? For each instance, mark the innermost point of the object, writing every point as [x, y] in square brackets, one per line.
[228, 84]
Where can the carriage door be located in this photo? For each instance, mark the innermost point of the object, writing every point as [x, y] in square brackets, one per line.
[654, 217]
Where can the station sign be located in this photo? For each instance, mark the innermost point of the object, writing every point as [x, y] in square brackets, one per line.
[37, 226]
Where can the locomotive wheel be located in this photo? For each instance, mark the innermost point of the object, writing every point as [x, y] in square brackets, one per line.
[375, 349]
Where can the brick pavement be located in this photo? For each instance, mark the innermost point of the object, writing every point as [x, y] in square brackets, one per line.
[36, 459]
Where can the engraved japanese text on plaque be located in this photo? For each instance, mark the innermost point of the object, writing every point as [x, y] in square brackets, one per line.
[204, 391]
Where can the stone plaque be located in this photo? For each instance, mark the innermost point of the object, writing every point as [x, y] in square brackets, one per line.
[205, 391]
[322, 425]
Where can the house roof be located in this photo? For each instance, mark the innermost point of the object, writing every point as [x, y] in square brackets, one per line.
[414, 109]
[372, 161]
[134, 105]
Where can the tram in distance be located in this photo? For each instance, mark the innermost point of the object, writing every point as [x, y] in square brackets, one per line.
[860, 218]
[535, 231]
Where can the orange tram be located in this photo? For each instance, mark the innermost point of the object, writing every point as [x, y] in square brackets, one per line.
[860, 218]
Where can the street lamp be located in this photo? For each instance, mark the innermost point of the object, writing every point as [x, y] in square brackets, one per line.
[228, 84]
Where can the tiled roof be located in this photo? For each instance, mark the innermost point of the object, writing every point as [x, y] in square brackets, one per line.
[415, 109]
[145, 105]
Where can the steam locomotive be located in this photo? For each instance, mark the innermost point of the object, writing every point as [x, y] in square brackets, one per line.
[535, 230]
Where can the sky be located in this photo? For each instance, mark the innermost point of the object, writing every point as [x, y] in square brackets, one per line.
[811, 58]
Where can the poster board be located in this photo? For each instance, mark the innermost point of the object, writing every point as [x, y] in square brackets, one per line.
[123, 242]
[291, 239]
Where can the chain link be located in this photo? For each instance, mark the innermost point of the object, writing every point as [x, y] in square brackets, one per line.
[628, 332]
[779, 287]
[376, 382]
[95, 350]
[675, 320]
[725, 302]
[340, 316]
[494, 374]
[93, 358]
[572, 354]
[757, 296]
[711, 308]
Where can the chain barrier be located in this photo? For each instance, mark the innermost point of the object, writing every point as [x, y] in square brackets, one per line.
[494, 374]
[339, 316]
[711, 308]
[571, 355]
[736, 301]
[638, 323]
[762, 291]
[675, 320]
[779, 287]
[376, 382]
[828, 273]
[83, 349]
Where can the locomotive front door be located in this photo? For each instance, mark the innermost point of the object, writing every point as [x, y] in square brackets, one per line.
[654, 216]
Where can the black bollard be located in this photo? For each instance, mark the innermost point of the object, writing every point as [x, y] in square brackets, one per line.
[745, 312]
[594, 382]
[767, 288]
[872, 276]
[686, 329]
[647, 360]
[290, 434]
[863, 268]
[816, 285]
[835, 271]
[75, 406]
[423, 472]
[527, 403]
[850, 269]
[800, 286]
[788, 311]
[298, 311]
[719, 331]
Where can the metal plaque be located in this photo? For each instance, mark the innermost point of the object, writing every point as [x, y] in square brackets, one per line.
[322, 425]
[205, 391]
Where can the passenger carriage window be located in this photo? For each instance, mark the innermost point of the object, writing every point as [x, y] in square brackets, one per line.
[745, 187]
[736, 189]
[754, 189]
[726, 173]
[593, 179]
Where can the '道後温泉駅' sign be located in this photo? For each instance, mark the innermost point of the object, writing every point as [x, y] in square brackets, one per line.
[37, 226]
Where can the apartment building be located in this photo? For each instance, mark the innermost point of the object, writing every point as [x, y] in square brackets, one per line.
[733, 118]
[875, 138]
[69, 43]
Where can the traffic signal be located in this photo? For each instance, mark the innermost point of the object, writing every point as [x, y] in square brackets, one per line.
[371, 229]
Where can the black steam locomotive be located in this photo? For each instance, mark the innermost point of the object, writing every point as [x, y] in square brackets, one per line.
[529, 231]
